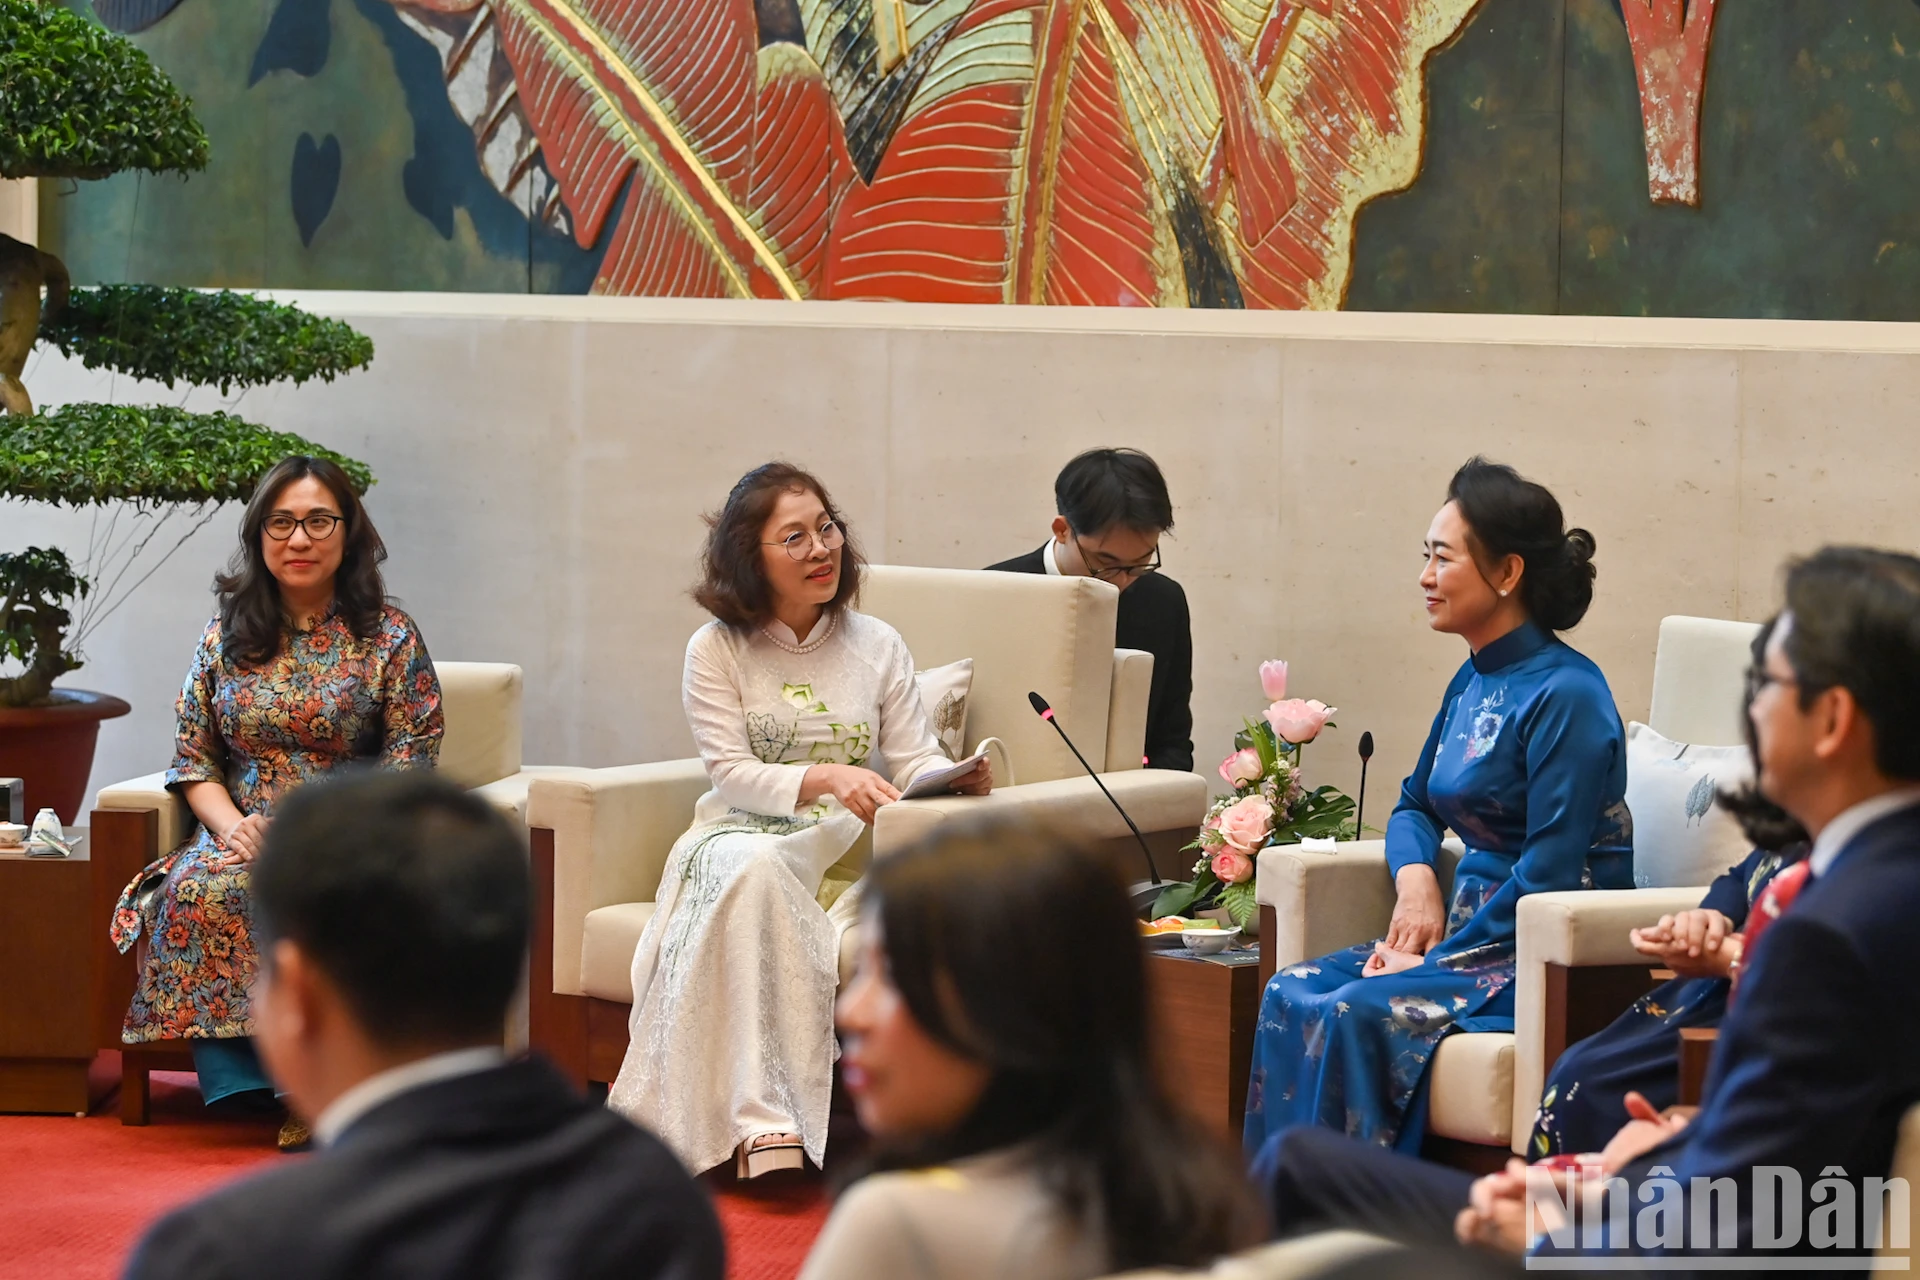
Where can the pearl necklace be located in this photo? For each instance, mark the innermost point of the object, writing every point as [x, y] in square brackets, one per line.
[833, 620]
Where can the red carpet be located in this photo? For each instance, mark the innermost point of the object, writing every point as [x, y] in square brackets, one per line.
[75, 1195]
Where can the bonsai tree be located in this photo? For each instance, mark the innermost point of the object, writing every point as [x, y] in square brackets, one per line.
[79, 102]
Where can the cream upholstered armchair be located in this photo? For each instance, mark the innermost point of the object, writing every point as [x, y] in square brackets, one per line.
[1576, 971]
[600, 840]
[134, 822]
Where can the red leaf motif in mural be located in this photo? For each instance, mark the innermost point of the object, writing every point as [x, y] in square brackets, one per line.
[735, 151]
[1670, 40]
[1182, 152]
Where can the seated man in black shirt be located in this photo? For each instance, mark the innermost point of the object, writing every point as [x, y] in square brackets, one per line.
[1113, 507]
[394, 911]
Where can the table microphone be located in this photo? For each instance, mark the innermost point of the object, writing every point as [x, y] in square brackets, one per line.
[1046, 713]
[1360, 810]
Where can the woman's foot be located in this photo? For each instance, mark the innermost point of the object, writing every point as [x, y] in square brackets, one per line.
[767, 1152]
[294, 1136]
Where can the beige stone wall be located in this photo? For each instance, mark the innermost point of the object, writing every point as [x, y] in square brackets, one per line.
[544, 463]
[20, 210]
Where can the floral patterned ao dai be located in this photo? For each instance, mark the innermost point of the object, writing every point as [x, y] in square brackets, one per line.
[327, 700]
[735, 973]
[1526, 762]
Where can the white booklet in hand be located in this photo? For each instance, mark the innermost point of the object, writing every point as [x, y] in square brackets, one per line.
[938, 782]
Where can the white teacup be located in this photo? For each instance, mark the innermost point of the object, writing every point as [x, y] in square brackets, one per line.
[12, 835]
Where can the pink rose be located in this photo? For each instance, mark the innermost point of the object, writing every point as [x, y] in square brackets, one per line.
[1241, 767]
[1273, 680]
[1231, 867]
[1246, 824]
[1297, 722]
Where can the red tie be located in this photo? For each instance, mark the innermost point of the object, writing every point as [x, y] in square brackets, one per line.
[1774, 900]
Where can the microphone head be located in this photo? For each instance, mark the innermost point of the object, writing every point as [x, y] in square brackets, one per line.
[1040, 706]
[1366, 746]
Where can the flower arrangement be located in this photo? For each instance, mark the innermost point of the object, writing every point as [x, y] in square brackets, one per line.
[1269, 804]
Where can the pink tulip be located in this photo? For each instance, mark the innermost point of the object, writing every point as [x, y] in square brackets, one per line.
[1245, 824]
[1298, 722]
[1241, 768]
[1273, 680]
[1231, 867]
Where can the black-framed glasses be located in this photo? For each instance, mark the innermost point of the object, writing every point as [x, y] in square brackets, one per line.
[1119, 571]
[799, 544]
[1759, 678]
[319, 526]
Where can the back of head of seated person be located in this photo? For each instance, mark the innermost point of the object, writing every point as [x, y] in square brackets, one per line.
[996, 1044]
[394, 912]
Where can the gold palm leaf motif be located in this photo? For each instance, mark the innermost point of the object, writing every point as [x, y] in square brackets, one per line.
[735, 150]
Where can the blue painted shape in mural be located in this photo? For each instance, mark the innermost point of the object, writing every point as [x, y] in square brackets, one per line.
[444, 174]
[299, 36]
[127, 16]
[316, 181]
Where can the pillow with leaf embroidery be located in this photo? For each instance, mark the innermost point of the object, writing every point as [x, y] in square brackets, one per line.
[943, 691]
[1681, 835]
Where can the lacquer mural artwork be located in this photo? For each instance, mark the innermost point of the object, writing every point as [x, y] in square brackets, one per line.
[1095, 152]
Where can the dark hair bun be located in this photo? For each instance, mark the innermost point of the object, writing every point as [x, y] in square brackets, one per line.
[1509, 515]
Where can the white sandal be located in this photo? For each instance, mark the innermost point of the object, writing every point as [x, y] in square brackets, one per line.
[780, 1151]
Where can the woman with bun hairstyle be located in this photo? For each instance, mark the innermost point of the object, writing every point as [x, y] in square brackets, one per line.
[1526, 763]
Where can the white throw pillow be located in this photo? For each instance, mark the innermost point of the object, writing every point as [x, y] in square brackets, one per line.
[1681, 835]
[943, 691]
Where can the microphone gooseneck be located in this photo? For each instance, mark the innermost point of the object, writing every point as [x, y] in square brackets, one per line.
[1045, 712]
[1360, 809]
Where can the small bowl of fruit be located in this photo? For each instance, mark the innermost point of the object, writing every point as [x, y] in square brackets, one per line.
[1165, 932]
[1207, 937]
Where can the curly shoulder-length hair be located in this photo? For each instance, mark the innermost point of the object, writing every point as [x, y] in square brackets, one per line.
[733, 585]
[253, 621]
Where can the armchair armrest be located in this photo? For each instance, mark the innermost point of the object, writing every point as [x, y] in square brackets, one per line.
[150, 792]
[1158, 799]
[612, 830]
[1313, 903]
[1581, 929]
[508, 796]
[1127, 713]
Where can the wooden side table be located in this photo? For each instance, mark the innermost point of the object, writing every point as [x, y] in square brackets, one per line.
[1203, 1013]
[48, 935]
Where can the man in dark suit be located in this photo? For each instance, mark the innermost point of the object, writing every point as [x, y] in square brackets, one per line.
[1818, 1057]
[393, 911]
[1112, 508]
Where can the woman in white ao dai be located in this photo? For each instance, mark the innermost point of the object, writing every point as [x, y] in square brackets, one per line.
[732, 1044]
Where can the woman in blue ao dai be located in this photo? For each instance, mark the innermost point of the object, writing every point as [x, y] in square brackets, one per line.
[1526, 763]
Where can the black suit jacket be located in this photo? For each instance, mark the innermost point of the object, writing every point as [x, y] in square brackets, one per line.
[1819, 1055]
[1153, 617]
[507, 1173]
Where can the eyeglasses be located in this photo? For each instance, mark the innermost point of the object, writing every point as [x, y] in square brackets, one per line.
[799, 545]
[1119, 571]
[1759, 678]
[319, 527]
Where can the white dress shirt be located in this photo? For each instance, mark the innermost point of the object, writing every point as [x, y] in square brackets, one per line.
[394, 1081]
[1050, 558]
[1836, 835]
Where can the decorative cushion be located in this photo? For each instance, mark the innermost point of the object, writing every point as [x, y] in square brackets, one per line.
[1681, 835]
[944, 690]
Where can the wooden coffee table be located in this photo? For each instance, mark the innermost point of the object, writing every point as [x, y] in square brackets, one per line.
[1202, 1013]
[48, 933]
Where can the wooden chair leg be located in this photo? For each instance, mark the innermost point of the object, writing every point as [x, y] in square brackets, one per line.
[135, 1090]
[556, 1024]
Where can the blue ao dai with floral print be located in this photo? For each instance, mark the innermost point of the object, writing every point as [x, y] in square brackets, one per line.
[1526, 763]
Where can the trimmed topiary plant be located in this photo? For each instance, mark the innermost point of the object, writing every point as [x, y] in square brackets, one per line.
[79, 102]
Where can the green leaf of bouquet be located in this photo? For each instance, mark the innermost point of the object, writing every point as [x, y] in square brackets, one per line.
[1176, 899]
[222, 339]
[78, 101]
[86, 454]
[1240, 902]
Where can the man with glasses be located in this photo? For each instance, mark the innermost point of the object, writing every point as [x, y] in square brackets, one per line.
[1112, 510]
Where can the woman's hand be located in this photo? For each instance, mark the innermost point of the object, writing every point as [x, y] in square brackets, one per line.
[1695, 944]
[977, 783]
[861, 790]
[1385, 960]
[1646, 1128]
[242, 841]
[1419, 917]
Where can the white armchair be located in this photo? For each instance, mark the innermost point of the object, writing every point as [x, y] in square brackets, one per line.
[600, 840]
[135, 821]
[1575, 969]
